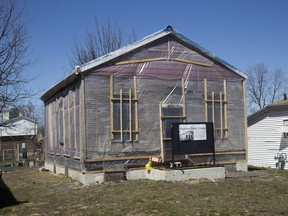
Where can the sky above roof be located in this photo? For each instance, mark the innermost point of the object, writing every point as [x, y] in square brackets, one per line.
[243, 32]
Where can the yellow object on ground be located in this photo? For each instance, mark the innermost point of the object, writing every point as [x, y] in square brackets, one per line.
[148, 166]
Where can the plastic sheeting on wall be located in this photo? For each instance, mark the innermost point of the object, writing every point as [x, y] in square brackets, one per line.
[143, 92]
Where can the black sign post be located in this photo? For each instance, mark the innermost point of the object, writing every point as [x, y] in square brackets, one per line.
[192, 138]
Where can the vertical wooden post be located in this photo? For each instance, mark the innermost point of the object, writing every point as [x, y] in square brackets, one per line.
[184, 100]
[51, 144]
[225, 108]
[121, 116]
[221, 116]
[111, 107]
[83, 118]
[205, 98]
[245, 118]
[136, 109]
[75, 137]
[169, 49]
[69, 120]
[130, 115]
[63, 125]
[213, 112]
[161, 132]
[213, 106]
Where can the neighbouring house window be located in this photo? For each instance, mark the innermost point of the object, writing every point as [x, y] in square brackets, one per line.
[216, 110]
[285, 128]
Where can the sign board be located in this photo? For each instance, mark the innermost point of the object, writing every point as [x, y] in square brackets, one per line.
[190, 132]
[192, 138]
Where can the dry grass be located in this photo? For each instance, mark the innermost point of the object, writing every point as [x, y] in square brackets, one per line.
[43, 193]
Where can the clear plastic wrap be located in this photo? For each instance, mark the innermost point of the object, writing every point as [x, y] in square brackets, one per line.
[123, 112]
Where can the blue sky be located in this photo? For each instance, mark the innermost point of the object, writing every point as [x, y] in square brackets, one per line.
[242, 32]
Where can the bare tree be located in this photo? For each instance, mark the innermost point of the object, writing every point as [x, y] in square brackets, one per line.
[264, 86]
[13, 54]
[104, 39]
[34, 112]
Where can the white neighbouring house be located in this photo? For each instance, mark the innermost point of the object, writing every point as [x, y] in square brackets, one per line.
[268, 135]
[20, 131]
[20, 126]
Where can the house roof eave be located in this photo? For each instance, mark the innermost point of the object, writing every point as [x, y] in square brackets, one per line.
[266, 109]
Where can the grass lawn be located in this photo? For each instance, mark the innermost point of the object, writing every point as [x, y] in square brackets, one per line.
[44, 193]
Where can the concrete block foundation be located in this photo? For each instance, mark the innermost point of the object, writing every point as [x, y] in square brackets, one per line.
[177, 175]
[89, 178]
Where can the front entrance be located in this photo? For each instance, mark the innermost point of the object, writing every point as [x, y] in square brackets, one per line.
[171, 113]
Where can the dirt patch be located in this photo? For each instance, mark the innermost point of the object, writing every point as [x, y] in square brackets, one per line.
[262, 192]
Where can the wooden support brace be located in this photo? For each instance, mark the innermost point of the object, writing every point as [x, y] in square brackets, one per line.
[205, 98]
[63, 123]
[183, 99]
[136, 107]
[121, 116]
[213, 108]
[213, 111]
[83, 118]
[130, 115]
[75, 128]
[225, 107]
[124, 131]
[69, 120]
[140, 61]
[50, 116]
[161, 132]
[111, 107]
[221, 116]
[174, 117]
[120, 158]
[192, 62]
[163, 59]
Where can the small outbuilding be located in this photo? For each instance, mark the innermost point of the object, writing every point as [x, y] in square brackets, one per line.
[268, 136]
[116, 111]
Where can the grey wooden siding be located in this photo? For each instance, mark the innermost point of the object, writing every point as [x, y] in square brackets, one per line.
[151, 92]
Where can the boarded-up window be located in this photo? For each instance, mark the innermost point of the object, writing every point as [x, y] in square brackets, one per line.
[123, 114]
[216, 110]
[124, 120]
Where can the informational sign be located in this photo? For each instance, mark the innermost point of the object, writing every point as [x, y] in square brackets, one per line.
[192, 138]
[190, 132]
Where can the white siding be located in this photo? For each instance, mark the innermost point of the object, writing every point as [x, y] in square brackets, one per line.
[265, 139]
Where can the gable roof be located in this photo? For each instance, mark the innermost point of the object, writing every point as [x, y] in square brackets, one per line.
[168, 31]
[17, 119]
[276, 105]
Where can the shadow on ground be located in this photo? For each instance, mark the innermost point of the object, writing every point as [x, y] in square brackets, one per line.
[6, 196]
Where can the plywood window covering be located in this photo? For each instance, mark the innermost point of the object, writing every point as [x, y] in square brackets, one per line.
[124, 113]
[216, 110]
